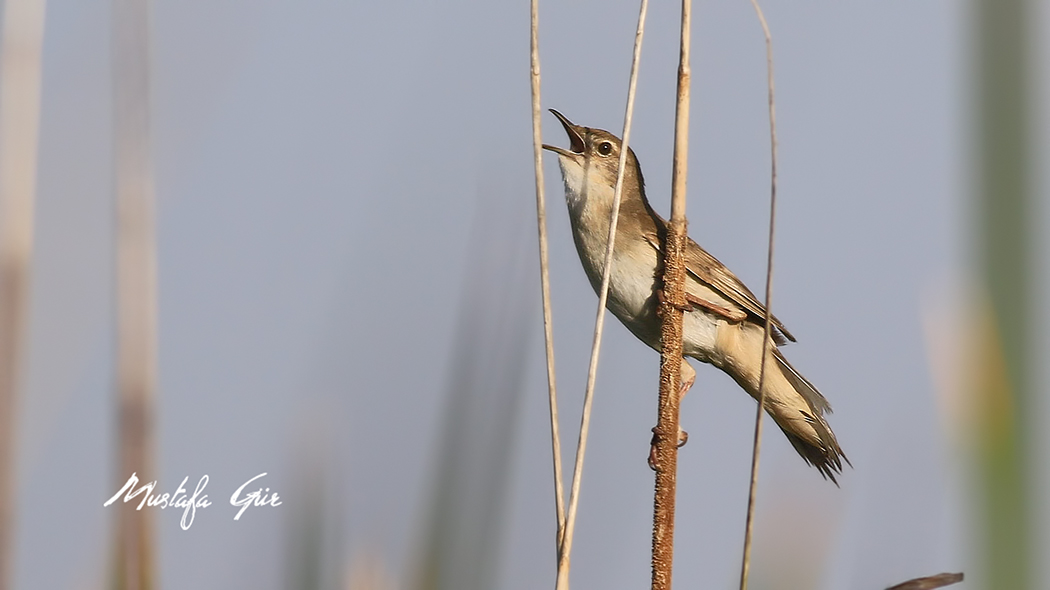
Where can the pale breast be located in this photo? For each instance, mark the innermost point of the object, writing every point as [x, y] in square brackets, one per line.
[632, 288]
[633, 282]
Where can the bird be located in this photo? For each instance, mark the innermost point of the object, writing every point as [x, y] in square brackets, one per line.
[723, 323]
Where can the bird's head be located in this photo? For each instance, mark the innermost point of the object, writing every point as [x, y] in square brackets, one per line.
[589, 164]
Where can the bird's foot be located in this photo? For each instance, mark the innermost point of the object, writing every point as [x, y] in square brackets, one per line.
[683, 437]
[682, 306]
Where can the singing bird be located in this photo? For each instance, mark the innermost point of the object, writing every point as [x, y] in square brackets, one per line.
[724, 324]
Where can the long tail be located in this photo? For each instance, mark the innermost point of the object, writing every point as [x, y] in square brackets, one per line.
[791, 400]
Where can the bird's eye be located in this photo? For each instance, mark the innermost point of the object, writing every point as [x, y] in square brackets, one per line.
[605, 148]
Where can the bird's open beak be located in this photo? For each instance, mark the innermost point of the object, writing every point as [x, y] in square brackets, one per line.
[575, 139]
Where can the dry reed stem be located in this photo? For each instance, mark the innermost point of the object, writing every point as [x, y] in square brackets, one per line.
[545, 285]
[929, 582]
[136, 284]
[753, 486]
[20, 56]
[565, 549]
[666, 430]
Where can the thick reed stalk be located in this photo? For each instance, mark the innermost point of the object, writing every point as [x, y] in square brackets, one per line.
[666, 431]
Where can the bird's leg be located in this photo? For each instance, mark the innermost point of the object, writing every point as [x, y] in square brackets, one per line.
[688, 374]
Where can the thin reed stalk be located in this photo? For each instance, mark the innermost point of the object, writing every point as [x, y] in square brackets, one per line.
[745, 566]
[565, 547]
[666, 431]
[136, 285]
[545, 285]
[22, 40]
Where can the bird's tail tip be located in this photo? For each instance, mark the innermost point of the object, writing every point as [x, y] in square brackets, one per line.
[826, 456]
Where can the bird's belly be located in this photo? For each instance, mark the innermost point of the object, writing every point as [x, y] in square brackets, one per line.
[699, 332]
[631, 285]
[636, 309]
[632, 299]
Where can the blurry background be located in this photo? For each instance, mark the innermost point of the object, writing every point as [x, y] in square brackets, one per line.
[346, 229]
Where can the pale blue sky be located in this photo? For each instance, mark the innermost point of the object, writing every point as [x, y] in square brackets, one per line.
[319, 168]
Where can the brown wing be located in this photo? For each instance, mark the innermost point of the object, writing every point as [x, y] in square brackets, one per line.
[712, 281]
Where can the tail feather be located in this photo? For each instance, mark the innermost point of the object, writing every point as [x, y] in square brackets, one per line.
[791, 400]
[814, 398]
[826, 458]
[811, 436]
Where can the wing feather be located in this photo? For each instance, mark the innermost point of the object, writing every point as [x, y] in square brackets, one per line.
[711, 277]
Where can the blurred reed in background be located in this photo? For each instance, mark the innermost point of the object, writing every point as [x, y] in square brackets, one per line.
[136, 369]
[313, 542]
[462, 535]
[1003, 259]
[22, 39]
[458, 542]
